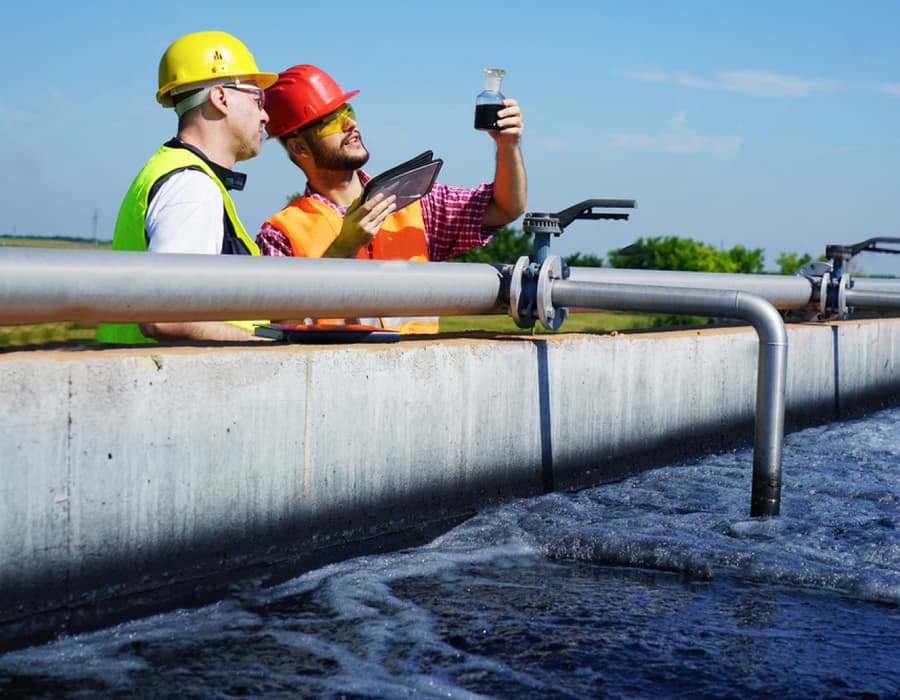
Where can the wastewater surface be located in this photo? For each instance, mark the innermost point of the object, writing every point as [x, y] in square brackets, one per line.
[657, 586]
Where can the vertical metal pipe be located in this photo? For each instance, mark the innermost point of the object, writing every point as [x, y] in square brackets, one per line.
[770, 390]
[771, 377]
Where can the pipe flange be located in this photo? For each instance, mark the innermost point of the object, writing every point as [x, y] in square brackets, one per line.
[823, 294]
[833, 297]
[843, 310]
[522, 316]
[553, 269]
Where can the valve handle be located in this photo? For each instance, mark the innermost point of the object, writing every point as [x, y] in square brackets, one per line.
[585, 210]
[870, 244]
[555, 223]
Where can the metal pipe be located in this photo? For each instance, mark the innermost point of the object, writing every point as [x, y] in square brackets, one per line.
[876, 284]
[782, 291]
[44, 284]
[872, 299]
[771, 362]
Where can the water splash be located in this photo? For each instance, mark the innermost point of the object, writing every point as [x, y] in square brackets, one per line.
[656, 585]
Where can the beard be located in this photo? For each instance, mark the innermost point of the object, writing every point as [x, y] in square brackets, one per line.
[335, 159]
[248, 149]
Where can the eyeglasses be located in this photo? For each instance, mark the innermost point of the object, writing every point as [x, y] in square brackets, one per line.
[256, 92]
[334, 123]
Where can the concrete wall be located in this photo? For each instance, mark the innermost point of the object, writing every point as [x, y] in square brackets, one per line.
[138, 477]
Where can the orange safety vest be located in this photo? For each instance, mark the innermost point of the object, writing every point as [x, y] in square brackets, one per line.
[312, 226]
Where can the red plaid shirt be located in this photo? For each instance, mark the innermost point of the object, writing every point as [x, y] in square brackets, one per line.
[452, 218]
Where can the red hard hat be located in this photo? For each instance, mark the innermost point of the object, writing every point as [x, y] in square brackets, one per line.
[301, 95]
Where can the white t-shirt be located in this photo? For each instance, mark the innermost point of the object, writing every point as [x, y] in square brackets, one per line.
[186, 215]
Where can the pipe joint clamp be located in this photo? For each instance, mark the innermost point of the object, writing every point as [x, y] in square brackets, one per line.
[530, 292]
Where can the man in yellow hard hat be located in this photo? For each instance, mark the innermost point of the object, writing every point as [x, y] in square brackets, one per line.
[312, 117]
[179, 201]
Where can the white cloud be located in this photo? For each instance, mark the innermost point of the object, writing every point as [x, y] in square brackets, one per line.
[747, 82]
[677, 122]
[765, 84]
[679, 139]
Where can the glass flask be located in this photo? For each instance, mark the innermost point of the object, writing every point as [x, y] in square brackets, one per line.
[489, 100]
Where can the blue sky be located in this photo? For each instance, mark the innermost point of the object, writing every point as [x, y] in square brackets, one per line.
[764, 124]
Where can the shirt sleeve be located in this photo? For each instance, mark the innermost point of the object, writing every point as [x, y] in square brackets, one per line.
[186, 215]
[271, 241]
[453, 217]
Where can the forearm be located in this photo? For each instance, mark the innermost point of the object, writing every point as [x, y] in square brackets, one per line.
[510, 187]
[196, 330]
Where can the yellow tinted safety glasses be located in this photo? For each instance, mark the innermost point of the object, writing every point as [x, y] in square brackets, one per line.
[336, 122]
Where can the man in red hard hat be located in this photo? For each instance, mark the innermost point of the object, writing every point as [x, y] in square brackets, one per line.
[310, 114]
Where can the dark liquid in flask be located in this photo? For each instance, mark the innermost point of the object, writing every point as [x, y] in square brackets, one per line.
[486, 116]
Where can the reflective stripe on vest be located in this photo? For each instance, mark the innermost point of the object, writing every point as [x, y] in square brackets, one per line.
[312, 226]
[130, 232]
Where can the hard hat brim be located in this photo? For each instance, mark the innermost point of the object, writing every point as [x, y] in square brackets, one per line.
[326, 109]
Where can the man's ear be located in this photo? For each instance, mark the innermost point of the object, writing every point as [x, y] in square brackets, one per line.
[218, 98]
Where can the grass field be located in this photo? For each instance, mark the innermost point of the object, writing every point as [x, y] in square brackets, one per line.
[575, 323]
[45, 334]
[40, 242]
[70, 333]
[48, 333]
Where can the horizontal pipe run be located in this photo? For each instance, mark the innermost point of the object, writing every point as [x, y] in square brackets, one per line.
[673, 299]
[771, 362]
[782, 291]
[43, 284]
[40, 285]
[876, 284]
[872, 299]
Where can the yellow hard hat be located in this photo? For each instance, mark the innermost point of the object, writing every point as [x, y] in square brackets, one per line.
[205, 57]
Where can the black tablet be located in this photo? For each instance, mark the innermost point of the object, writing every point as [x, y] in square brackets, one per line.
[409, 181]
[326, 333]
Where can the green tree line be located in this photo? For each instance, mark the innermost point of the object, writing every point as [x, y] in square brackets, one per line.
[649, 253]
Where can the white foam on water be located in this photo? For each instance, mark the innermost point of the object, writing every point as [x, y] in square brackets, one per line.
[476, 606]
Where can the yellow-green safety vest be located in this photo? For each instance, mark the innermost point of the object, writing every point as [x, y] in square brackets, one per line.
[130, 231]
